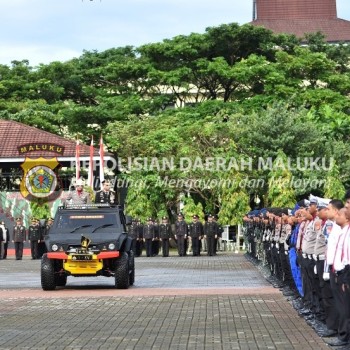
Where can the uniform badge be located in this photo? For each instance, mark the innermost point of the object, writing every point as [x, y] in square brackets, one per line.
[40, 181]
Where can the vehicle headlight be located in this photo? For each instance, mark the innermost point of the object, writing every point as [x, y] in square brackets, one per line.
[111, 246]
[54, 247]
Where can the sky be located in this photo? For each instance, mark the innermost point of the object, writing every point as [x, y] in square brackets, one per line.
[43, 31]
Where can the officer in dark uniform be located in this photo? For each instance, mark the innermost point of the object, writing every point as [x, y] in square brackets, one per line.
[196, 234]
[47, 227]
[217, 245]
[181, 231]
[44, 230]
[165, 235]
[5, 238]
[148, 236]
[106, 195]
[19, 237]
[133, 233]
[155, 242]
[2, 231]
[139, 239]
[211, 230]
[34, 237]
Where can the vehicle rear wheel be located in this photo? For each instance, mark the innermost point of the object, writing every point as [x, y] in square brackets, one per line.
[47, 274]
[122, 272]
[131, 268]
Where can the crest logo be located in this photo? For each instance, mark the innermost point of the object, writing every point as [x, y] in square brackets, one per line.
[40, 182]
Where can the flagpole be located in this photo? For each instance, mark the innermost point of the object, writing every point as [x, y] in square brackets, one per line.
[102, 176]
[91, 164]
[77, 160]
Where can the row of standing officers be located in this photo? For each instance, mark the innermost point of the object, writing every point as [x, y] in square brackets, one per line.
[151, 235]
[34, 234]
[308, 251]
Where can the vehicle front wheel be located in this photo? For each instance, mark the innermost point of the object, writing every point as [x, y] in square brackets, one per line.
[122, 272]
[47, 274]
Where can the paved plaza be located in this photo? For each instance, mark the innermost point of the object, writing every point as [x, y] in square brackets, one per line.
[220, 302]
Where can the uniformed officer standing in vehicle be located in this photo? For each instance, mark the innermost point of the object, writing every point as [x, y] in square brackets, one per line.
[148, 236]
[211, 230]
[78, 196]
[165, 235]
[19, 237]
[106, 195]
[181, 231]
[196, 234]
[34, 237]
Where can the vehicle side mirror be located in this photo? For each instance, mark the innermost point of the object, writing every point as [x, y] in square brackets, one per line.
[128, 220]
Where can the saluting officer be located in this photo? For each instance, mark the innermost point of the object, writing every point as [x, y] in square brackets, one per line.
[211, 230]
[165, 235]
[148, 236]
[19, 237]
[106, 195]
[78, 196]
[34, 237]
[181, 231]
[196, 234]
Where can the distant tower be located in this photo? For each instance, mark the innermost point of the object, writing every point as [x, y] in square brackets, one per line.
[301, 16]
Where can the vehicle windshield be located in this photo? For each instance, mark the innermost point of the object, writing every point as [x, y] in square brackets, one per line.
[88, 222]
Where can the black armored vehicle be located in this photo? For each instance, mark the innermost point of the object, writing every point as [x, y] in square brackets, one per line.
[89, 240]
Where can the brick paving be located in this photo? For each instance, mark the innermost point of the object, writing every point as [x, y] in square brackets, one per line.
[220, 302]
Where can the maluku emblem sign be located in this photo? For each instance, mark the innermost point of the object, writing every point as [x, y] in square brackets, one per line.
[39, 181]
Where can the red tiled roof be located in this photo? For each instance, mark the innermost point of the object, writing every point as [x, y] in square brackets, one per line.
[296, 9]
[14, 134]
[335, 30]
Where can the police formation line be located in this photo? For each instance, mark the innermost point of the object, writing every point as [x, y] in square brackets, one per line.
[20, 234]
[306, 252]
[195, 237]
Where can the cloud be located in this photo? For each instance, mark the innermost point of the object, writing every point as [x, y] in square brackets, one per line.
[47, 30]
[36, 54]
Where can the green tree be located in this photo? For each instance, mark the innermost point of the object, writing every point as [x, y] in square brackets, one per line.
[281, 192]
[234, 201]
[191, 208]
[334, 188]
[40, 209]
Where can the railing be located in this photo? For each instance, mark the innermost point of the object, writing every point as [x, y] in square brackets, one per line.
[10, 182]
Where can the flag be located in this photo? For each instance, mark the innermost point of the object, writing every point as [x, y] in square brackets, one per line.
[91, 165]
[77, 161]
[102, 175]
